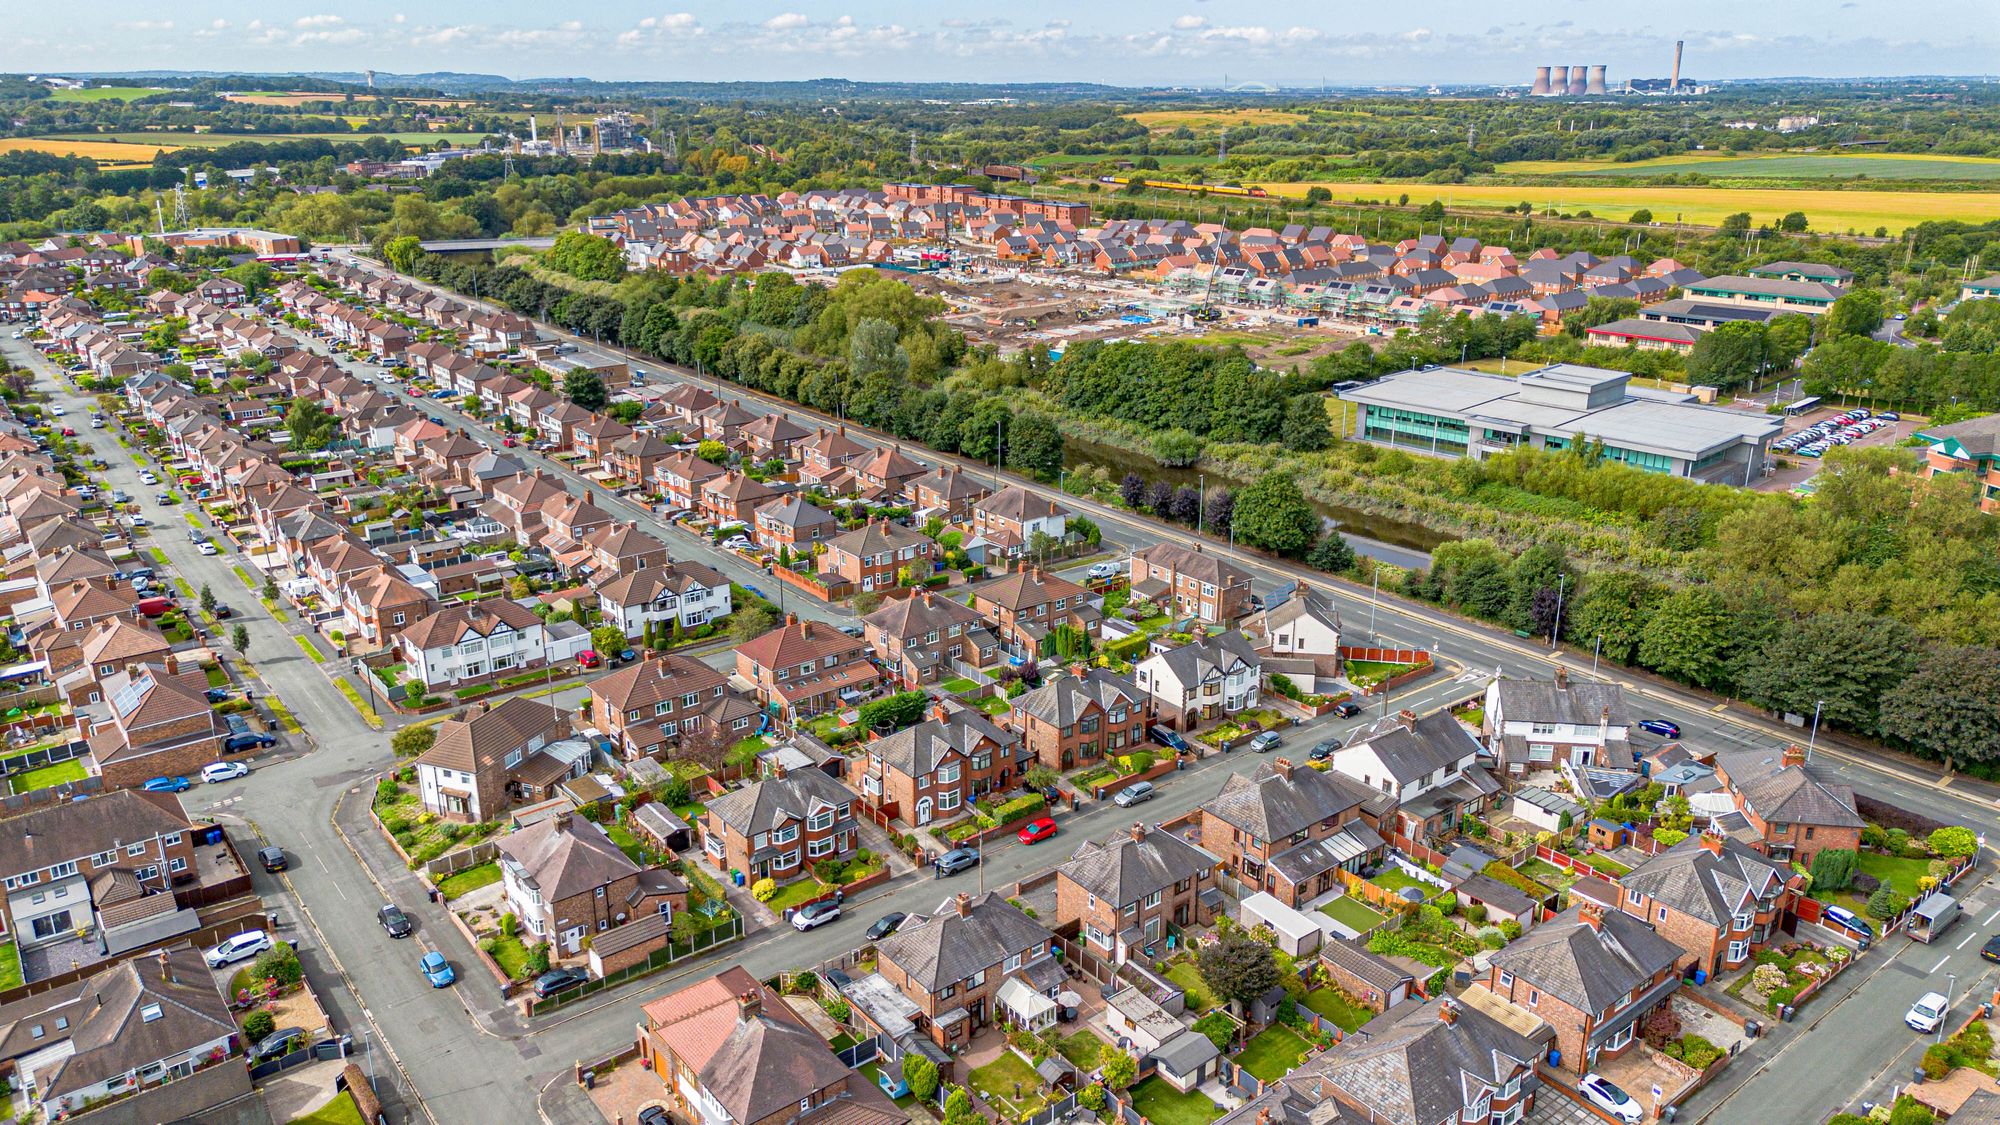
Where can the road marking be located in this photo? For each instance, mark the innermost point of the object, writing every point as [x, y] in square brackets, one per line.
[1941, 961]
[1994, 918]
[1968, 937]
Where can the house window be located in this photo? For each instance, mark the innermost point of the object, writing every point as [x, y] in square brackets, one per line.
[785, 835]
[822, 846]
[396, 620]
[130, 850]
[820, 821]
[1506, 979]
[177, 865]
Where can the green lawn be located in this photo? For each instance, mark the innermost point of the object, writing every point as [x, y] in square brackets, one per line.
[340, 1111]
[1546, 873]
[1083, 1049]
[796, 893]
[1334, 1005]
[1352, 912]
[959, 685]
[994, 705]
[1895, 871]
[10, 966]
[1605, 864]
[1188, 979]
[513, 957]
[48, 777]
[468, 880]
[996, 1081]
[1393, 878]
[1272, 1053]
[104, 94]
[1367, 673]
[1161, 1104]
[216, 676]
[627, 843]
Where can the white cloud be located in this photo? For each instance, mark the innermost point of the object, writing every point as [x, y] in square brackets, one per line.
[678, 22]
[1190, 23]
[219, 25]
[305, 22]
[786, 21]
[145, 25]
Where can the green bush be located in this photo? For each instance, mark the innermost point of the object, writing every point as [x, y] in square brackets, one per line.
[257, 1025]
[1510, 929]
[538, 958]
[1953, 842]
[764, 890]
[1885, 903]
[1022, 806]
[509, 925]
[1668, 837]
[279, 963]
[1937, 1061]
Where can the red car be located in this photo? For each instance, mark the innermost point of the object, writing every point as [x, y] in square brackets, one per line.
[1040, 828]
[508, 442]
[588, 658]
[69, 431]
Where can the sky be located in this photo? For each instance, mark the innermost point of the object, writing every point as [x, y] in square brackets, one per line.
[1122, 42]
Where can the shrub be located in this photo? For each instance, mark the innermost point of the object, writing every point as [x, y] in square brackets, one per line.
[1885, 903]
[1668, 837]
[838, 1010]
[509, 925]
[921, 1074]
[1832, 869]
[1476, 913]
[1219, 1028]
[1695, 1051]
[538, 958]
[1510, 929]
[764, 890]
[1864, 883]
[279, 963]
[1022, 806]
[1937, 1061]
[259, 1024]
[1092, 1098]
[1953, 842]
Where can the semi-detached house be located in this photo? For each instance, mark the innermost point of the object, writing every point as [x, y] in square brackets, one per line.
[1129, 893]
[953, 964]
[473, 642]
[1592, 974]
[1719, 900]
[57, 861]
[779, 827]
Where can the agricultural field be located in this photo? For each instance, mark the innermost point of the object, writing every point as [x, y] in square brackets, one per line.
[1776, 166]
[172, 140]
[1827, 210]
[104, 94]
[301, 98]
[1167, 120]
[105, 152]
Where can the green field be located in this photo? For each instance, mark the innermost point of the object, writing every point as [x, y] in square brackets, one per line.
[105, 94]
[1776, 166]
[181, 139]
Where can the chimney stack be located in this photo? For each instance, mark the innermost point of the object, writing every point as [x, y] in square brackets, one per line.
[166, 967]
[1541, 87]
[1711, 842]
[561, 821]
[1138, 831]
[1562, 678]
[1591, 914]
[749, 1005]
[1448, 1011]
[963, 902]
[1674, 79]
[777, 769]
[791, 619]
[1793, 756]
[1284, 768]
[1408, 719]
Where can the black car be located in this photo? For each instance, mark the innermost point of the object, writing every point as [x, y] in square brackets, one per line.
[273, 859]
[1167, 738]
[1991, 950]
[218, 695]
[395, 921]
[558, 980]
[277, 1044]
[1347, 709]
[1323, 749]
[239, 742]
[885, 925]
[654, 1115]
[223, 611]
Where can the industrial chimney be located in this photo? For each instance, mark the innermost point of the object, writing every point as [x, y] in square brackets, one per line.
[1541, 87]
[1674, 79]
[1575, 81]
[1558, 81]
[1596, 83]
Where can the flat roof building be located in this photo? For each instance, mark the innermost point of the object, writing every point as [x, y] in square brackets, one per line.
[1449, 412]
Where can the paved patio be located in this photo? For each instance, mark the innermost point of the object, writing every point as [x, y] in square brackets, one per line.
[621, 1094]
[58, 957]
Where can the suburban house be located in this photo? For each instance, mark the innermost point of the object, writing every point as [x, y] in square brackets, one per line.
[936, 769]
[646, 707]
[473, 641]
[1796, 814]
[1129, 893]
[492, 757]
[803, 668]
[1430, 765]
[794, 523]
[58, 860]
[1009, 520]
[872, 556]
[1299, 638]
[1592, 974]
[565, 880]
[952, 964]
[779, 827]
[1203, 679]
[1079, 719]
[1286, 830]
[728, 1051]
[1469, 1059]
[1026, 605]
[946, 492]
[925, 637]
[688, 594]
[160, 722]
[1718, 900]
[1541, 724]
[1189, 582]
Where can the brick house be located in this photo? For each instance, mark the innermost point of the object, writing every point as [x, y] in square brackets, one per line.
[621, 548]
[828, 451]
[947, 492]
[772, 437]
[687, 592]
[872, 556]
[1079, 720]
[884, 473]
[160, 724]
[937, 768]
[779, 827]
[805, 667]
[1797, 815]
[1718, 900]
[1592, 975]
[952, 964]
[734, 497]
[378, 604]
[1286, 830]
[680, 479]
[1430, 765]
[57, 861]
[1025, 605]
[792, 522]
[1007, 521]
[1207, 678]
[645, 708]
[923, 638]
[485, 760]
[1126, 894]
[566, 881]
[1469, 1059]
[1190, 582]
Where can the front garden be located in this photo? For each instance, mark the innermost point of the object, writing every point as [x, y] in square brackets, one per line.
[1777, 976]
[422, 834]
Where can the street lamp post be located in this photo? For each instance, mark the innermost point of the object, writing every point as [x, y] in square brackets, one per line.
[1950, 986]
[1562, 585]
[1374, 592]
[1201, 487]
[1814, 738]
[1595, 649]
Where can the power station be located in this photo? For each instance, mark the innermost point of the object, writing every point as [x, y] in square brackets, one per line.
[1590, 81]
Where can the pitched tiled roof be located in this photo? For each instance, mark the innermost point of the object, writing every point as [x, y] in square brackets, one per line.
[952, 946]
[1062, 699]
[1709, 886]
[798, 641]
[55, 833]
[920, 613]
[477, 739]
[670, 676]
[1570, 700]
[1028, 587]
[479, 619]
[1414, 1068]
[1589, 967]
[1267, 805]
[1134, 864]
[1016, 503]
[109, 1021]
[760, 806]
[565, 856]
[1418, 747]
[1194, 563]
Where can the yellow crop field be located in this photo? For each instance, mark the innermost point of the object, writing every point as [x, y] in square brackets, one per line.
[1167, 120]
[1833, 211]
[104, 152]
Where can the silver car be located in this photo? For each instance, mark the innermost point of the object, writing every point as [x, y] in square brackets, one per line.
[1133, 794]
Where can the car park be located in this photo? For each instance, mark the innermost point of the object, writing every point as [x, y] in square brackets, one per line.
[885, 925]
[815, 914]
[1601, 1093]
[273, 859]
[1266, 741]
[241, 947]
[223, 771]
[1661, 727]
[956, 860]
[557, 981]
[436, 969]
[1134, 793]
[168, 785]
[1037, 830]
[393, 920]
[1928, 1013]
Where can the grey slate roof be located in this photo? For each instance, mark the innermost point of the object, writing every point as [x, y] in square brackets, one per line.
[1791, 794]
[1269, 806]
[1689, 878]
[1062, 699]
[918, 750]
[1588, 968]
[1581, 702]
[1199, 659]
[1126, 869]
[1373, 968]
[1413, 1068]
[1434, 742]
[949, 947]
[1186, 1052]
[759, 807]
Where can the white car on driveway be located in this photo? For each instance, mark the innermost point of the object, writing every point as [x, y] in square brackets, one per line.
[1601, 1093]
[242, 947]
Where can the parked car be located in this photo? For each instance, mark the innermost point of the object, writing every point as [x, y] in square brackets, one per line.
[277, 1044]
[815, 914]
[242, 947]
[1134, 793]
[1928, 1012]
[588, 658]
[1104, 570]
[1852, 922]
[223, 612]
[1323, 749]
[1600, 1092]
[1266, 741]
[167, 785]
[57, 410]
[1991, 950]
[273, 859]
[166, 500]
[239, 742]
[654, 1115]
[625, 656]
[853, 630]
[1347, 709]
[557, 981]
[885, 925]
[1037, 830]
[436, 969]
[1661, 727]
[147, 476]
[394, 920]
[224, 771]
[1170, 739]
[206, 547]
[955, 861]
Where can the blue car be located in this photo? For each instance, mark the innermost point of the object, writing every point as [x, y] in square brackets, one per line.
[437, 970]
[168, 785]
[1661, 727]
[443, 394]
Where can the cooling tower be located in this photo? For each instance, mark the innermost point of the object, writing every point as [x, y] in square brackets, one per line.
[1575, 81]
[1558, 81]
[1541, 87]
[1674, 81]
[1596, 83]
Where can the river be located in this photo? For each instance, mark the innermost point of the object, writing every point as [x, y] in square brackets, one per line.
[1400, 542]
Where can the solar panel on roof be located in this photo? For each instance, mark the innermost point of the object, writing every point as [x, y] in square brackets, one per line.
[131, 695]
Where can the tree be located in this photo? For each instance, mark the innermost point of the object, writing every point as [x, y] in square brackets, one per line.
[1217, 509]
[1275, 515]
[1794, 222]
[1086, 529]
[310, 424]
[1858, 312]
[608, 640]
[752, 621]
[1238, 966]
[712, 451]
[1845, 664]
[920, 1075]
[411, 741]
[1687, 637]
[1949, 707]
[1953, 841]
[587, 256]
[1305, 427]
[1035, 444]
[1132, 490]
[270, 589]
[1885, 903]
[1332, 554]
[207, 599]
[239, 639]
[585, 389]
[1641, 216]
[1728, 356]
[958, 1108]
[1118, 1067]
[1176, 448]
[873, 349]
[1614, 605]
[403, 252]
[1832, 869]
